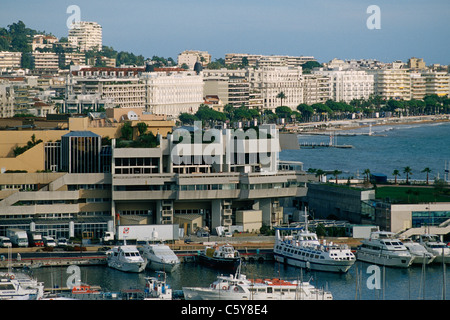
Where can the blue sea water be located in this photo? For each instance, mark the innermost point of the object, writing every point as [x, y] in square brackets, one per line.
[395, 283]
[390, 147]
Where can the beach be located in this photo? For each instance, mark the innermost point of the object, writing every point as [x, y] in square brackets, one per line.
[350, 124]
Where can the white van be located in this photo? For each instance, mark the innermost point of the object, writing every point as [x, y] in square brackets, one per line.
[5, 242]
[49, 241]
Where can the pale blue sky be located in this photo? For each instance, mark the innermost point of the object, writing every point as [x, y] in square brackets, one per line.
[324, 29]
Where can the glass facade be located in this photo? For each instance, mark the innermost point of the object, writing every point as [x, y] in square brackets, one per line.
[429, 218]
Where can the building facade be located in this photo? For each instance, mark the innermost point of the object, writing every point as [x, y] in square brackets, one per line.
[347, 85]
[220, 183]
[172, 93]
[271, 81]
[190, 57]
[86, 36]
[9, 60]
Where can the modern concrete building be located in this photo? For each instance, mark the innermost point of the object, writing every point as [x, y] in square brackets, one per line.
[86, 36]
[229, 181]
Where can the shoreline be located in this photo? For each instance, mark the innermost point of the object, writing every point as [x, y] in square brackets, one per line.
[351, 124]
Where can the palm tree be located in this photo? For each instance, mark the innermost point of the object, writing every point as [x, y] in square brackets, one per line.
[336, 173]
[281, 96]
[367, 173]
[320, 173]
[408, 172]
[427, 170]
[396, 173]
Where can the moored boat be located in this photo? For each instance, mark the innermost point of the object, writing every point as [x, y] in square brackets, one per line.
[159, 257]
[418, 252]
[238, 287]
[125, 258]
[384, 249]
[223, 256]
[301, 248]
[435, 246]
[19, 286]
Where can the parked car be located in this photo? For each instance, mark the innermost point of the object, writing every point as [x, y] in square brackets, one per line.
[62, 242]
[49, 241]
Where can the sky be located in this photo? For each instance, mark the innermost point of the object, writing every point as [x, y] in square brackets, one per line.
[325, 29]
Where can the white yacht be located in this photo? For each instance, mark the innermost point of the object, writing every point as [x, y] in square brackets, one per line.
[383, 248]
[301, 248]
[238, 287]
[159, 257]
[436, 247]
[419, 252]
[125, 258]
[19, 286]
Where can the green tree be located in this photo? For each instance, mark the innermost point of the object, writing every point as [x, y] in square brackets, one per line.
[142, 128]
[306, 110]
[396, 173]
[127, 131]
[367, 173]
[336, 173]
[281, 96]
[427, 170]
[408, 171]
[187, 118]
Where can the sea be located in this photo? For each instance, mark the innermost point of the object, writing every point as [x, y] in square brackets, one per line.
[389, 147]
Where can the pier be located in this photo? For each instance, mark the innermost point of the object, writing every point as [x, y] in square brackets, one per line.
[331, 144]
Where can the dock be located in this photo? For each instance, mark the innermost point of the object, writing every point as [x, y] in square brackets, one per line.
[324, 145]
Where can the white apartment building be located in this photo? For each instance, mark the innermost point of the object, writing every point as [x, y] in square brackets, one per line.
[392, 83]
[270, 81]
[6, 100]
[257, 60]
[120, 87]
[316, 88]
[190, 57]
[45, 61]
[418, 89]
[347, 85]
[436, 83]
[86, 36]
[172, 93]
[9, 60]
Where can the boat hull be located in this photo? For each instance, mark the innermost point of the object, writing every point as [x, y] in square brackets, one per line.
[195, 293]
[225, 263]
[162, 266]
[384, 259]
[127, 266]
[319, 265]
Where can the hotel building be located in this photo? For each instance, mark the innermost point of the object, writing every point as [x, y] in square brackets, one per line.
[347, 85]
[172, 92]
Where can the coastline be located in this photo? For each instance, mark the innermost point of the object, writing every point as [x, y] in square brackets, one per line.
[350, 124]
